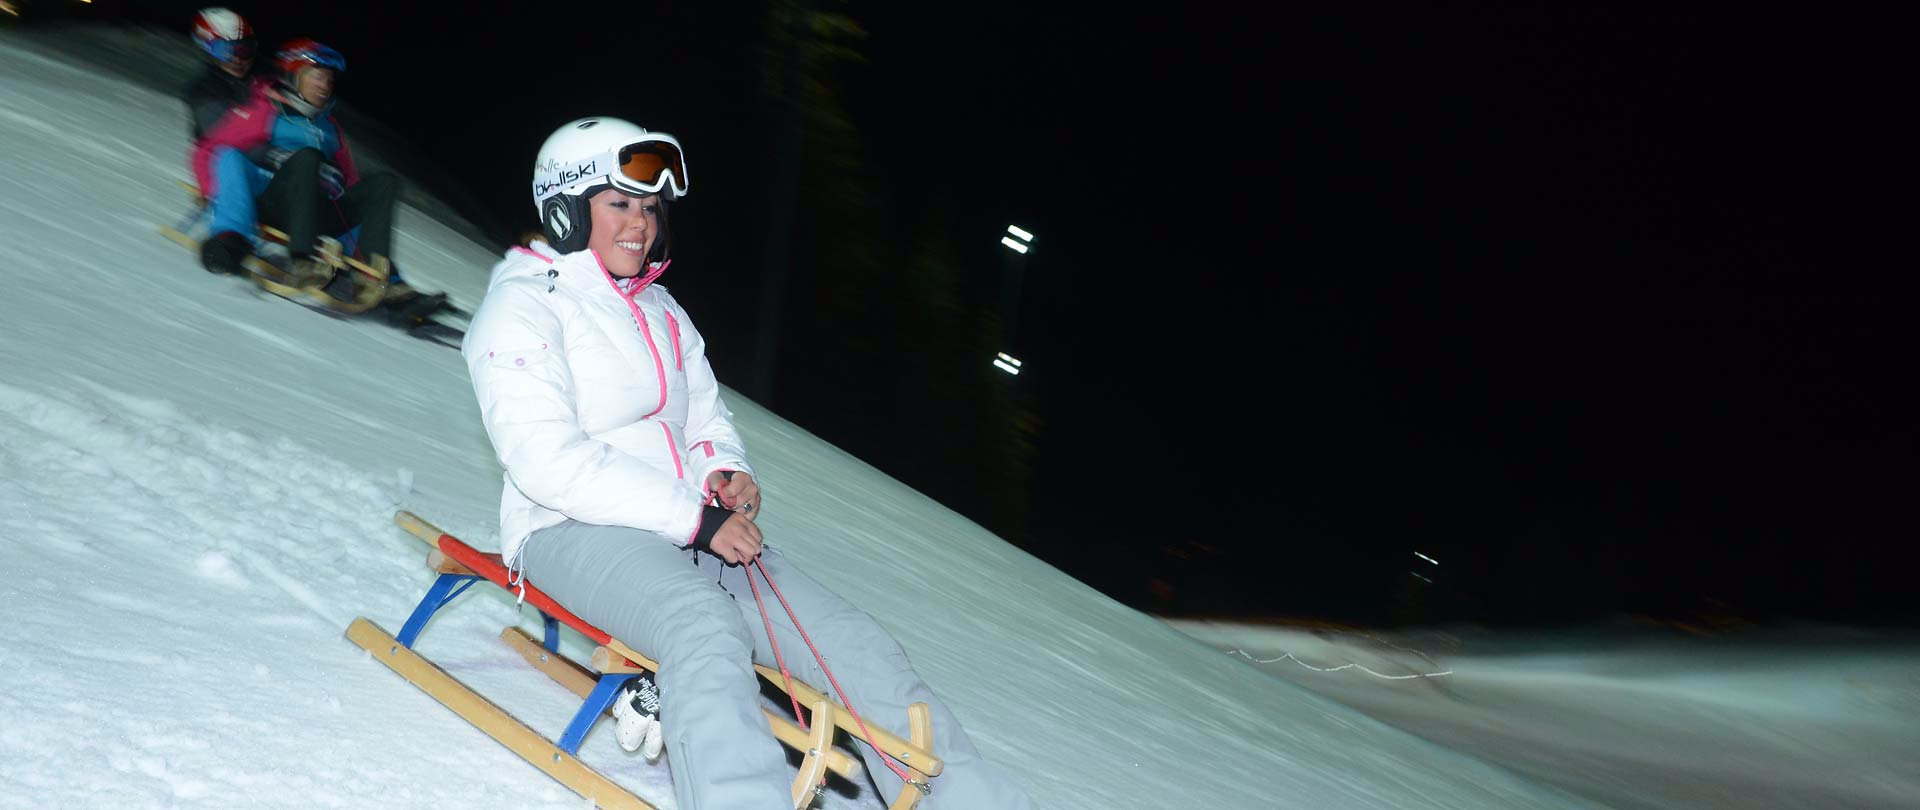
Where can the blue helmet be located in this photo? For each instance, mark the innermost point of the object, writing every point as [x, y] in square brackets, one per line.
[303, 53]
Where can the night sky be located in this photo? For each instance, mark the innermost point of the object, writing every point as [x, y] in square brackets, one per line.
[1584, 304]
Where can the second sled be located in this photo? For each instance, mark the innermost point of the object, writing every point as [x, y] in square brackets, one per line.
[372, 278]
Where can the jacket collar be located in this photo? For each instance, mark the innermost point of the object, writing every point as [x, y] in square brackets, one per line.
[293, 103]
[582, 271]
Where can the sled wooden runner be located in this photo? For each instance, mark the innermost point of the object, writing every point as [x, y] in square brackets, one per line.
[460, 565]
[268, 232]
[367, 293]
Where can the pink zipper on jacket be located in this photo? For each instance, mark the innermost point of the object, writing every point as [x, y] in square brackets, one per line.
[673, 328]
[647, 332]
[678, 471]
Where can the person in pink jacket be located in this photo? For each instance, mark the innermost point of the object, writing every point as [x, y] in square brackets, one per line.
[282, 158]
[628, 496]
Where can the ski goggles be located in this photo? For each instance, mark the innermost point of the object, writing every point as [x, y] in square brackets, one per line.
[231, 50]
[319, 55]
[653, 165]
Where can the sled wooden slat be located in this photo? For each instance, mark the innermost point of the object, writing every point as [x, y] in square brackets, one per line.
[606, 660]
[912, 756]
[490, 567]
[492, 720]
[920, 725]
[813, 775]
[182, 239]
[580, 681]
[443, 564]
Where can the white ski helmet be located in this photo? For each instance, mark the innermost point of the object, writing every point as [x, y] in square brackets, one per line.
[585, 157]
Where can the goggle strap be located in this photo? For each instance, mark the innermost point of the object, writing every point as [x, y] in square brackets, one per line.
[551, 182]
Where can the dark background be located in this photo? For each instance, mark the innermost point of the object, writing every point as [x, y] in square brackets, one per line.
[1595, 307]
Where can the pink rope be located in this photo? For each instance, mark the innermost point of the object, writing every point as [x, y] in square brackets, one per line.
[884, 758]
[784, 674]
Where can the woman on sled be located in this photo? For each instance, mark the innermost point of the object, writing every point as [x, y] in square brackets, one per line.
[628, 495]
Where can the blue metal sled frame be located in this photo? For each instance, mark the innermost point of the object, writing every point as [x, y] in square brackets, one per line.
[449, 587]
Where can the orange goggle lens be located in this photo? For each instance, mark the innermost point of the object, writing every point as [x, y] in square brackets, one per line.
[648, 162]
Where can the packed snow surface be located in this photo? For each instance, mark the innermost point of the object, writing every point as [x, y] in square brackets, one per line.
[196, 490]
[1759, 718]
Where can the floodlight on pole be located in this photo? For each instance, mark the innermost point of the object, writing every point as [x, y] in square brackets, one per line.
[1014, 270]
[1014, 232]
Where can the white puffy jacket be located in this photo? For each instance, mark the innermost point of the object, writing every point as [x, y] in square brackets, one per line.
[598, 398]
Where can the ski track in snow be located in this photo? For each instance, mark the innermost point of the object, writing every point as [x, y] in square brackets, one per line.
[159, 516]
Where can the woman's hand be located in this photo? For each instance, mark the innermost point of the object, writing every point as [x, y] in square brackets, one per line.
[738, 493]
[737, 541]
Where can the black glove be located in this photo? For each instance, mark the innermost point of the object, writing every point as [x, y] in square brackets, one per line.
[710, 519]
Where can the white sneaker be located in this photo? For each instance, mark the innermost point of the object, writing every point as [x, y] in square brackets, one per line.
[636, 715]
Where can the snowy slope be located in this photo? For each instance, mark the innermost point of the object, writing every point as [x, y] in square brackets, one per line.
[1762, 719]
[196, 485]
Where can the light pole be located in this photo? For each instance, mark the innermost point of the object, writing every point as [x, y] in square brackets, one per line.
[1018, 241]
[1417, 575]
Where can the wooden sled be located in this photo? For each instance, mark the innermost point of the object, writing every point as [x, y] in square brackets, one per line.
[460, 565]
[367, 293]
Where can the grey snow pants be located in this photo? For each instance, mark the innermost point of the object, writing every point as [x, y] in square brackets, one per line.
[701, 624]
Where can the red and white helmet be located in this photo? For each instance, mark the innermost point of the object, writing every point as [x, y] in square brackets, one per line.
[223, 35]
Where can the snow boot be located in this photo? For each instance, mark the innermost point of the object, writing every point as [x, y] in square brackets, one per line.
[340, 288]
[223, 254]
[284, 275]
[398, 293]
[364, 291]
[636, 713]
[309, 272]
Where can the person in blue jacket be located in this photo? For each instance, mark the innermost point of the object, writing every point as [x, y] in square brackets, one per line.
[283, 159]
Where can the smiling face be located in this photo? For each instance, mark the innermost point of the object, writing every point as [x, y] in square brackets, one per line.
[315, 85]
[624, 229]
